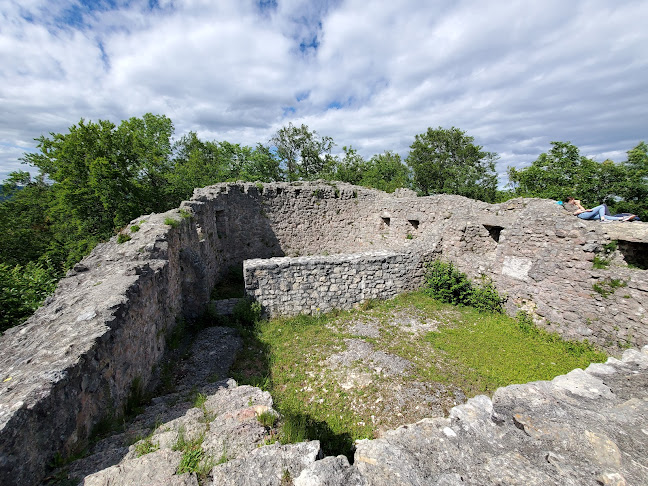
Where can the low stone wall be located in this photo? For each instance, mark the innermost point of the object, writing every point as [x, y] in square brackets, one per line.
[310, 285]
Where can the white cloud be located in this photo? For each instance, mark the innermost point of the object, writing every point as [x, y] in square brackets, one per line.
[514, 75]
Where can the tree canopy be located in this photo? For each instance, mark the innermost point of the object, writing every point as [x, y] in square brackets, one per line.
[563, 172]
[447, 161]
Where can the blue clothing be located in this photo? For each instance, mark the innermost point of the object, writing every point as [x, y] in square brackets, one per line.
[598, 213]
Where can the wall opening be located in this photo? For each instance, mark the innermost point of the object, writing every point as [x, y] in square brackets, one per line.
[414, 223]
[494, 231]
[386, 220]
[635, 254]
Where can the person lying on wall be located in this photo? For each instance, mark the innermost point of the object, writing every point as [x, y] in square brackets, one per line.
[600, 212]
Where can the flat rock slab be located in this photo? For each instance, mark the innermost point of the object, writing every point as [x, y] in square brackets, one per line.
[572, 430]
[274, 465]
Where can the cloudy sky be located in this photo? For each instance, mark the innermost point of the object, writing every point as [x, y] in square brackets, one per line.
[515, 75]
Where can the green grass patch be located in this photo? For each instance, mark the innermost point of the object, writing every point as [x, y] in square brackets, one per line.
[472, 350]
[491, 351]
[122, 238]
[135, 228]
[174, 223]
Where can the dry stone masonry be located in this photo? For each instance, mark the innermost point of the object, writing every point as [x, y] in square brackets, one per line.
[308, 247]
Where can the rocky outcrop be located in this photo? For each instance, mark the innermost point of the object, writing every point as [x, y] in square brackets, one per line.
[586, 427]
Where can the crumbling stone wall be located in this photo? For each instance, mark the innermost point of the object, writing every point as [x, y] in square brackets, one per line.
[77, 359]
[319, 284]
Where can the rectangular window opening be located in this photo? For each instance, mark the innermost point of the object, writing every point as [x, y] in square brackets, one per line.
[494, 232]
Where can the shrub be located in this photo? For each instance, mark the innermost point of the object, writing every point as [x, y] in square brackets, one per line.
[122, 238]
[247, 311]
[174, 223]
[135, 228]
[444, 282]
[23, 289]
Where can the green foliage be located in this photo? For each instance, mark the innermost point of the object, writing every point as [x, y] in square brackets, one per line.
[563, 172]
[247, 311]
[194, 459]
[123, 238]
[104, 176]
[385, 171]
[608, 286]
[22, 290]
[302, 153]
[174, 223]
[135, 228]
[25, 228]
[199, 400]
[146, 446]
[444, 282]
[602, 260]
[293, 429]
[447, 161]
[267, 419]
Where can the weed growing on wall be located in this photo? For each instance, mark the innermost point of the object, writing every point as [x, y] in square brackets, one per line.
[608, 286]
[602, 259]
[444, 282]
[122, 238]
[174, 223]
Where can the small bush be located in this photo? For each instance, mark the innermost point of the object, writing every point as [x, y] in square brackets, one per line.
[247, 311]
[608, 286]
[146, 446]
[122, 238]
[184, 213]
[267, 419]
[444, 282]
[174, 223]
[135, 228]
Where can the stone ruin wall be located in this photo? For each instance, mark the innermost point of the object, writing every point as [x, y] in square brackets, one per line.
[77, 358]
[317, 284]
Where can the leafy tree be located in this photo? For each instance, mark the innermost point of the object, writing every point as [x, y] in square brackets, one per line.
[634, 189]
[104, 176]
[447, 161]
[351, 168]
[196, 164]
[22, 290]
[386, 172]
[302, 153]
[563, 172]
[25, 232]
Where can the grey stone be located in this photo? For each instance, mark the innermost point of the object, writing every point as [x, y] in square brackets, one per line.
[330, 471]
[272, 465]
[150, 470]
